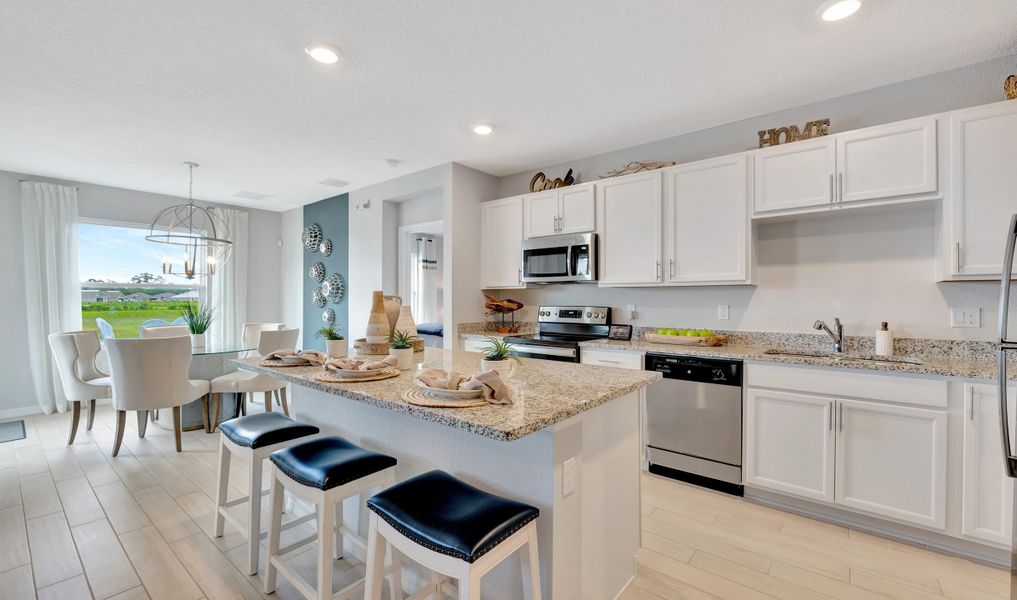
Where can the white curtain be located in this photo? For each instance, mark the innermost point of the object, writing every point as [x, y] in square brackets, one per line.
[227, 289]
[49, 219]
[424, 254]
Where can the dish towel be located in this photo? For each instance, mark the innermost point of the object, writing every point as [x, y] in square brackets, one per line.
[490, 382]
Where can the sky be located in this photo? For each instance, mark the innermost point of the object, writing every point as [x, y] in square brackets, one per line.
[118, 253]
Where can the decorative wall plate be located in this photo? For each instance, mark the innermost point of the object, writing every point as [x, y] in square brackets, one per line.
[317, 298]
[328, 316]
[311, 237]
[334, 288]
[317, 272]
[325, 247]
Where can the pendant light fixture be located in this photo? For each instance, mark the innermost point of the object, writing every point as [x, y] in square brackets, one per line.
[200, 232]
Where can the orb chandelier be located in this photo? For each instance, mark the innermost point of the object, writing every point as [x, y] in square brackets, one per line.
[201, 233]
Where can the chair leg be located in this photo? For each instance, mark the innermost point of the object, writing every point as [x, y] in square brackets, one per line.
[395, 587]
[268, 401]
[337, 544]
[204, 412]
[243, 403]
[254, 517]
[121, 425]
[326, 521]
[374, 561]
[154, 415]
[274, 527]
[221, 488]
[530, 568]
[213, 418]
[142, 422]
[176, 427]
[91, 414]
[75, 417]
[469, 587]
[282, 398]
[438, 581]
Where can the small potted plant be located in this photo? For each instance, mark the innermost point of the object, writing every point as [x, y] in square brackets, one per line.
[335, 344]
[401, 347]
[198, 319]
[498, 356]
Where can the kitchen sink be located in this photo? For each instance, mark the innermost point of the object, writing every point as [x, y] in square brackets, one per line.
[845, 356]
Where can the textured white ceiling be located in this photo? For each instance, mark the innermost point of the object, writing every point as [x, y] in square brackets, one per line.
[121, 92]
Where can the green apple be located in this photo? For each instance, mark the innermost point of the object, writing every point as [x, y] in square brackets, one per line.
[662, 331]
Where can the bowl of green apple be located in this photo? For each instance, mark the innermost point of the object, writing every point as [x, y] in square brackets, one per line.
[685, 337]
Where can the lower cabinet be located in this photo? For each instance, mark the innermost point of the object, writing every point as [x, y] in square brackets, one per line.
[987, 497]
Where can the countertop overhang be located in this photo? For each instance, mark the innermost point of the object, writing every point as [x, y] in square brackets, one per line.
[545, 392]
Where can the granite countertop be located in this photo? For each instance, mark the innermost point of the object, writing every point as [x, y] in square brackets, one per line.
[544, 392]
[940, 364]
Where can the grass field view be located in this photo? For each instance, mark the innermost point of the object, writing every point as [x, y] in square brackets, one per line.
[125, 317]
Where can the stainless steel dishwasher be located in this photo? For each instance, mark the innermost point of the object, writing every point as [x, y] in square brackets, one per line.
[694, 421]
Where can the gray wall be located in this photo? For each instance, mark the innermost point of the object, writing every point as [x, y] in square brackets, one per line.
[332, 214]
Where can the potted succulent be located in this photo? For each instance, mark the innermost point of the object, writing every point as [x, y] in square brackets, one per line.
[401, 347]
[198, 319]
[498, 356]
[335, 344]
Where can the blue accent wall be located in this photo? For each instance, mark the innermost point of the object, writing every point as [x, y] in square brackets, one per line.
[333, 216]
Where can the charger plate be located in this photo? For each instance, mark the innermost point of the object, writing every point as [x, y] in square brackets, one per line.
[275, 362]
[325, 377]
[448, 394]
[417, 396]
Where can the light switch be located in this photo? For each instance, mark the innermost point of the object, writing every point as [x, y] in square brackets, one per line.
[569, 476]
[723, 311]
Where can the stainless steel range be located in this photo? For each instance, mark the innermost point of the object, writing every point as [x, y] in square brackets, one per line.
[559, 331]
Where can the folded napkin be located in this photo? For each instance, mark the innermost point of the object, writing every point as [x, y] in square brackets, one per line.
[313, 356]
[353, 364]
[279, 354]
[489, 382]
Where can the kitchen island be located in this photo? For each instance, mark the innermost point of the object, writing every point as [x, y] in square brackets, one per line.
[569, 445]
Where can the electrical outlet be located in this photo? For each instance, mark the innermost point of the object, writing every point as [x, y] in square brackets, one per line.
[569, 475]
[723, 311]
[630, 312]
[966, 317]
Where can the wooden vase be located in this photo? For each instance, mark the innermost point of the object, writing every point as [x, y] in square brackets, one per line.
[377, 323]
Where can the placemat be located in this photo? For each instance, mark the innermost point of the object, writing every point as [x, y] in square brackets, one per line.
[324, 377]
[275, 362]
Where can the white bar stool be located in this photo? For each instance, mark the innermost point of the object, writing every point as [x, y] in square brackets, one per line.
[453, 529]
[253, 438]
[325, 471]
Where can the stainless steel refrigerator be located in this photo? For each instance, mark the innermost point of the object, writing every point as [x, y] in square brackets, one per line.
[1006, 346]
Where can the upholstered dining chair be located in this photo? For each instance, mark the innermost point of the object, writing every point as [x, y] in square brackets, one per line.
[74, 353]
[149, 374]
[105, 329]
[179, 321]
[162, 331]
[251, 332]
[153, 323]
[245, 382]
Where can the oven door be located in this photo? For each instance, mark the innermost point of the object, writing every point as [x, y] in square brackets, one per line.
[558, 353]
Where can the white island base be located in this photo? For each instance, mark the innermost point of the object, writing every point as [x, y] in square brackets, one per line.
[582, 473]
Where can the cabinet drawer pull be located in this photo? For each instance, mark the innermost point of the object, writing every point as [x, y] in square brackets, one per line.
[840, 187]
[610, 362]
[971, 404]
[957, 257]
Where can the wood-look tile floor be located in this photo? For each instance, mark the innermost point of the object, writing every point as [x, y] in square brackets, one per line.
[76, 523]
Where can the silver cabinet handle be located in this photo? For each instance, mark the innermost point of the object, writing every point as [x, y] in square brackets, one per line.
[610, 362]
[831, 411]
[670, 268]
[832, 200]
[957, 257]
[520, 275]
[840, 187]
[658, 269]
[971, 404]
[840, 416]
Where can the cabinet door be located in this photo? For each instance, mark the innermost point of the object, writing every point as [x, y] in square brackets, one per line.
[540, 212]
[891, 461]
[577, 209]
[789, 445]
[629, 213]
[987, 504]
[983, 193]
[887, 161]
[501, 223]
[707, 210]
[795, 176]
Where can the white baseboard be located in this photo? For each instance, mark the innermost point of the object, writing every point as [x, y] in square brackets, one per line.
[21, 411]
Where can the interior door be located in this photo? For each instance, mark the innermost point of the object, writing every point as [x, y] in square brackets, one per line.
[795, 176]
[540, 212]
[887, 161]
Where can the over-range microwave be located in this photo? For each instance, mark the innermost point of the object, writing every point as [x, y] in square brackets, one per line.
[560, 259]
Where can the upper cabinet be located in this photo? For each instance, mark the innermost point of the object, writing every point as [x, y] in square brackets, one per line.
[884, 164]
[707, 231]
[629, 213]
[564, 210]
[983, 190]
[501, 236]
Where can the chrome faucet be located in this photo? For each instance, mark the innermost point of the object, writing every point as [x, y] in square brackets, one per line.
[838, 338]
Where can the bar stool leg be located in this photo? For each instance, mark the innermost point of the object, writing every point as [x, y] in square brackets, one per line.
[531, 568]
[274, 530]
[268, 401]
[337, 544]
[282, 398]
[221, 488]
[395, 587]
[469, 586]
[254, 519]
[326, 524]
[438, 580]
[374, 561]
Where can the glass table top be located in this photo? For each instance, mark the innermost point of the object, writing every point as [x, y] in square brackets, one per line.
[210, 348]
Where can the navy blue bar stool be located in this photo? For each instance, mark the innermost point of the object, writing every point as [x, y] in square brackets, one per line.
[453, 529]
[325, 471]
[253, 438]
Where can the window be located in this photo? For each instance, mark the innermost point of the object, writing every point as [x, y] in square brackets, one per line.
[122, 284]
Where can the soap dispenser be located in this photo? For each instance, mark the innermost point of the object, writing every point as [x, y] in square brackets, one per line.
[884, 341]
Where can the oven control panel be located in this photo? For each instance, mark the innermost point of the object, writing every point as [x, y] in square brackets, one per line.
[589, 315]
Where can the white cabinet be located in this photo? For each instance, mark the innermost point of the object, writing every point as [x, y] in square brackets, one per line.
[629, 218]
[891, 461]
[569, 209]
[501, 237]
[983, 189]
[470, 345]
[707, 221]
[794, 176]
[610, 358]
[987, 496]
[789, 443]
[887, 161]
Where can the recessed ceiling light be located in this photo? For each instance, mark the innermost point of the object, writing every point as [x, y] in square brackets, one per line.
[835, 10]
[483, 129]
[323, 53]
